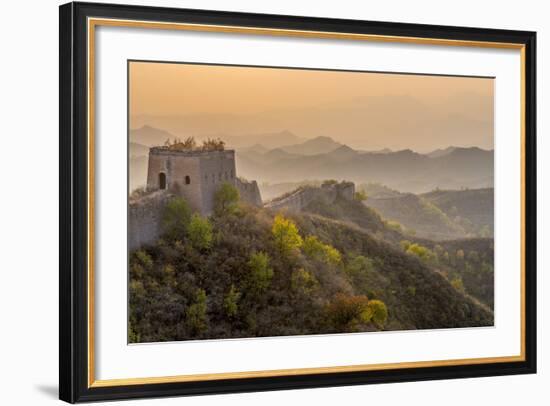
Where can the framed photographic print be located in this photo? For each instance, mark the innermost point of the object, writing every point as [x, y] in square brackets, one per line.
[258, 202]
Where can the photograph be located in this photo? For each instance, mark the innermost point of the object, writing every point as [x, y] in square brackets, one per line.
[290, 201]
[257, 201]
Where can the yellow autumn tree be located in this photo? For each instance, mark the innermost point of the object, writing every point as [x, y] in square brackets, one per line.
[314, 248]
[285, 235]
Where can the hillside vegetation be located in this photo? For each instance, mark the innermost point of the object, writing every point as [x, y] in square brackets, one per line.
[472, 209]
[418, 216]
[438, 215]
[467, 263]
[251, 272]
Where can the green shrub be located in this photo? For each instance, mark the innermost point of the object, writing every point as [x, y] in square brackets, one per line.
[458, 284]
[421, 252]
[349, 313]
[329, 182]
[260, 272]
[133, 337]
[195, 314]
[360, 196]
[226, 200]
[200, 232]
[314, 248]
[230, 302]
[144, 259]
[303, 282]
[394, 225]
[379, 312]
[176, 217]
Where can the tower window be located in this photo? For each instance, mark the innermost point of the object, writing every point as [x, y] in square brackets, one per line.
[162, 180]
[187, 180]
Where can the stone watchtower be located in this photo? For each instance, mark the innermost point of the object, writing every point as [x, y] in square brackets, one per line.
[196, 175]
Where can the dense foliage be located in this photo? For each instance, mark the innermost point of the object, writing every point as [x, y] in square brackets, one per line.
[249, 272]
[464, 262]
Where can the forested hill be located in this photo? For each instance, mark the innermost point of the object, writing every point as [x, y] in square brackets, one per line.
[465, 262]
[473, 209]
[251, 272]
[438, 215]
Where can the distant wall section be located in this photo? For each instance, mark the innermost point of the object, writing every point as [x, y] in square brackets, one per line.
[300, 198]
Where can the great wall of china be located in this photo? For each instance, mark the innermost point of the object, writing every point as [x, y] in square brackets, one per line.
[300, 198]
[196, 176]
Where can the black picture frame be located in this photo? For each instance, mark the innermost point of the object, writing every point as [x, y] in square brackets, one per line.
[73, 256]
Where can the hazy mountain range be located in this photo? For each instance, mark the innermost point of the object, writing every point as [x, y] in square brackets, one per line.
[368, 122]
[406, 170]
[151, 136]
[285, 157]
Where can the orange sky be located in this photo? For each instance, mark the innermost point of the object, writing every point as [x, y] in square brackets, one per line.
[278, 95]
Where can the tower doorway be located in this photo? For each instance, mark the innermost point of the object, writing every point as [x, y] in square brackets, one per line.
[162, 180]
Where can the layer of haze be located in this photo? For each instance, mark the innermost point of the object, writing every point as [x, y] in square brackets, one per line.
[363, 110]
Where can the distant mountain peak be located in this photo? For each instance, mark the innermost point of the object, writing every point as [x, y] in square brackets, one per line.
[149, 136]
[322, 138]
[313, 146]
[469, 150]
[344, 149]
[342, 152]
[440, 152]
[277, 151]
[382, 151]
[406, 151]
[476, 149]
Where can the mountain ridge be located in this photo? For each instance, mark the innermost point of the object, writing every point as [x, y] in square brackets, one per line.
[324, 158]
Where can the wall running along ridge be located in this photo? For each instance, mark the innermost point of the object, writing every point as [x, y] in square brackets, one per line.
[302, 197]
